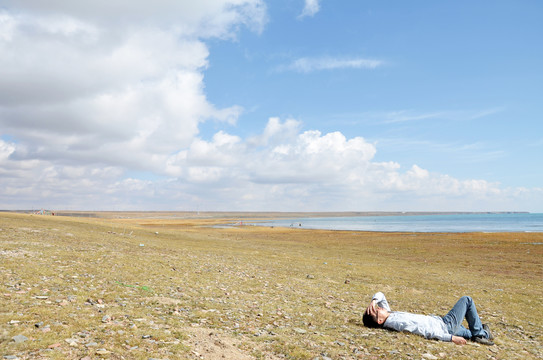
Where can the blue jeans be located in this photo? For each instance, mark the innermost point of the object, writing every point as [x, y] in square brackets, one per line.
[465, 307]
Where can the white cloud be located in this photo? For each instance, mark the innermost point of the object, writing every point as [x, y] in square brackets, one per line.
[90, 90]
[6, 149]
[311, 170]
[203, 18]
[400, 116]
[311, 7]
[91, 82]
[291, 170]
[405, 116]
[307, 65]
[276, 131]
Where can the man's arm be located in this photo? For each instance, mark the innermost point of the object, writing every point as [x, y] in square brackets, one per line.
[380, 300]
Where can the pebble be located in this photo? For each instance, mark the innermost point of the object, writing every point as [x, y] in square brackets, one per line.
[19, 339]
[90, 302]
[42, 297]
[11, 357]
[70, 341]
[106, 318]
[429, 356]
[83, 334]
[102, 352]
[300, 331]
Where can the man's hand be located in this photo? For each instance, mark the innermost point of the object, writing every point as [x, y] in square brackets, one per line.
[458, 340]
[371, 308]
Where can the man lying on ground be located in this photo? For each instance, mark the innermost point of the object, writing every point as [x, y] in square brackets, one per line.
[446, 328]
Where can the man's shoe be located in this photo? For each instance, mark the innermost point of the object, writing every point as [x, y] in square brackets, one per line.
[482, 340]
[487, 329]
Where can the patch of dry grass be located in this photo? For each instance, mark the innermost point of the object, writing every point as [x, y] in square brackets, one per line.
[129, 288]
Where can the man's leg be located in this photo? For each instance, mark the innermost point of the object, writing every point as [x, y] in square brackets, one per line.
[465, 307]
[462, 331]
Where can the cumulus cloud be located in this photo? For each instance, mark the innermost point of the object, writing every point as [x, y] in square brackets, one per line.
[307, 64]
[203, 18]
[89, 82]
[281, 155]
[91, 91]
[311, 170]
[283, 168]
[311, 7]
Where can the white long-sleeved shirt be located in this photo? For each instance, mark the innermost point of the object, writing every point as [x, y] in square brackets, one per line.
[431, 327]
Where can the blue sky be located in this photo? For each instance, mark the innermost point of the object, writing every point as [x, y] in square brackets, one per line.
[287, 105]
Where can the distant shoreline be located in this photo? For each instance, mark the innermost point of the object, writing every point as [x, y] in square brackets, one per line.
[242, 215]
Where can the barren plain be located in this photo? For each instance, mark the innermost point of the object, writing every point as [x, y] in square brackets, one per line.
[168, 287]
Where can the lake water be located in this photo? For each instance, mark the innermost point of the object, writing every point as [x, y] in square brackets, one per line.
[506, 222]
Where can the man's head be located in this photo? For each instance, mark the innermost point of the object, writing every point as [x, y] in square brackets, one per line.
[369, 321]
[374, 316]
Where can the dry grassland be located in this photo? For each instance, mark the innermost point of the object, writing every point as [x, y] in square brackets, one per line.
[85, 288]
